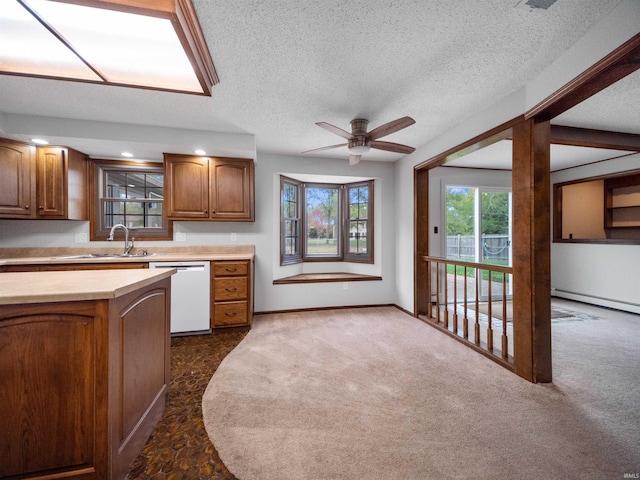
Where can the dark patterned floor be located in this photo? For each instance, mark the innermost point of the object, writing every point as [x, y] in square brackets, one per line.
[179, 447]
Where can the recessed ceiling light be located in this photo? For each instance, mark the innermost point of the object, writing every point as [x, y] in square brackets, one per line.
[127, 154]
[39, 141]
[199, 151]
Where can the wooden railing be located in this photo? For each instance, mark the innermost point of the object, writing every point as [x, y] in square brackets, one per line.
[472, 302]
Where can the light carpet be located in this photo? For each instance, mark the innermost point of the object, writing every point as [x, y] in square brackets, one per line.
[374, 393]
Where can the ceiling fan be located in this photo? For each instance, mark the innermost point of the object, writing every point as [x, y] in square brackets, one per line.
[360, 141]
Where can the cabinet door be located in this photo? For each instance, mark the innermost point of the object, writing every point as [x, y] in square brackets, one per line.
[16, 171]
[51, 173]
[233, 189]
[186, 187]
[50, 397]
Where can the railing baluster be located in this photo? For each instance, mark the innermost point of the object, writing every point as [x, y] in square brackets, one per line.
[465, 326]
[438, 292]
[429, 289]
[455, 299]
[446, 299]
[490, 314]
[505, 339]
[476, 332]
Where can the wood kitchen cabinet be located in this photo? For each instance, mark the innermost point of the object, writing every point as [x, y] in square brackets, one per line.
[209, 188]
[61, 183]
[17, 175]
[231, 293]
[84, 381]
[43, 182]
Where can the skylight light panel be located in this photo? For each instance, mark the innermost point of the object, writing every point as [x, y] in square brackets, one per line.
[124, 47]
[139, 43]
[27, 47]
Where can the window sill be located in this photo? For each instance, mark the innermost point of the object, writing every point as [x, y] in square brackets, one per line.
[326, 277]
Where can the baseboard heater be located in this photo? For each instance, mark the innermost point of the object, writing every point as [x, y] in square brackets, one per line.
[596, 300]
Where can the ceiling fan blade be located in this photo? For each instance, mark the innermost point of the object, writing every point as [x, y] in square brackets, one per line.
[354, 159]
[334, 129]
[389, 128]
[321, 149]
[392, 147]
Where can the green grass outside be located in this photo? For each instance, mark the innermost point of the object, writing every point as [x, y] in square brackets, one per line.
[323, 246]
[471, 272]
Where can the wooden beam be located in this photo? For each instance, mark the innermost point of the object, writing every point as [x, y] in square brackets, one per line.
[618, 64]
[531, 183]
[587, 137]
[485, 139]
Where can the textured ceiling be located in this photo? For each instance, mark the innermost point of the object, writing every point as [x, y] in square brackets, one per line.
[286, 64]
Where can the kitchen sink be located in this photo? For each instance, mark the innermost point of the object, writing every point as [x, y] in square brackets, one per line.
[105, 255]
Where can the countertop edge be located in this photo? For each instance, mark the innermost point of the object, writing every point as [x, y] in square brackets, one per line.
[32, 287]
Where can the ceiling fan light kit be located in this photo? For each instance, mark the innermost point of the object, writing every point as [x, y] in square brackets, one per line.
[360, 141]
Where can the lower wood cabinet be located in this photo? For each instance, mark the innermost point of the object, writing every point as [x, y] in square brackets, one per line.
[231, 293]
[83, 383]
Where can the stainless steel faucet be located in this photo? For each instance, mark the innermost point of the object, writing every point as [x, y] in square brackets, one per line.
[127, 247]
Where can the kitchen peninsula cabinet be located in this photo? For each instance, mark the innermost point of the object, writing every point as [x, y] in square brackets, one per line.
[209, 188]
[42, 182]
[84, 362]
[231, 293]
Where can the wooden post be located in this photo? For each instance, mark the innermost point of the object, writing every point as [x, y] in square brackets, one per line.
[532, 250]
[422, 294]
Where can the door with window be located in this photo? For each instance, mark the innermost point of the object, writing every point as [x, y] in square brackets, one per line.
[478, 227]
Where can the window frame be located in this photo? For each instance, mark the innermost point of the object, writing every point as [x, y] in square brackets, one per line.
[316, 257]
[358, 257]
[97, 171]
[296, 256]
[301, 255]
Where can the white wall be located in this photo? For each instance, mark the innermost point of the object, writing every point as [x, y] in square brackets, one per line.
[602, 274]
[615, 29]
[264, 234]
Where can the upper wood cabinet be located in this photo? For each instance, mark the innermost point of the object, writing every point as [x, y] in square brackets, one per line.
[61, 183]
[17, 175]
[43, 182]
[209, 188]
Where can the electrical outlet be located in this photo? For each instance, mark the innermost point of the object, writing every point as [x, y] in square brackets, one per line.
[234, 237]
[345, 285]
[181, 237]
[81, 237]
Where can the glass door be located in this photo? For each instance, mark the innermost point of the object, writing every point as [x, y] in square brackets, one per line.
[494, 238]
[478, 227]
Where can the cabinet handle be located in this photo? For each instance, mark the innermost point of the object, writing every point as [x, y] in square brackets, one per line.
[230, 314]
[26, 207]
[206, 211]
[230, 289]
[40, 207]
[231, 269]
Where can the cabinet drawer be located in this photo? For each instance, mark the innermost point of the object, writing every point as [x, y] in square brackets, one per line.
[230, 313]
[230, 288]
[227, 269]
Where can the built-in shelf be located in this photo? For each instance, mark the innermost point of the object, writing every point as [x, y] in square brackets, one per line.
[622, 202]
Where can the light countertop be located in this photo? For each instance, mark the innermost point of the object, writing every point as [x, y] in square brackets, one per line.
[51, 256]
[69, 286]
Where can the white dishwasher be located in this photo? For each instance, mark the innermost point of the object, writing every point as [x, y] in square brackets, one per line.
[189, 296]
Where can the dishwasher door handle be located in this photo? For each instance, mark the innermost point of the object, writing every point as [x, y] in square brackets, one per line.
[186, 268]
